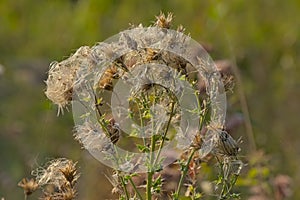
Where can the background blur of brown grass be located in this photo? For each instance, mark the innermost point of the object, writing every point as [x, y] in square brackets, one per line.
[262, 37]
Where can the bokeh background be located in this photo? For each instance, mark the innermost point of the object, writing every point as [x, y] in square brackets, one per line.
[261, 37]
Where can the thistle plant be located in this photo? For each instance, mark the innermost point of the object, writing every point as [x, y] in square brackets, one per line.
[56, 180]
[150, 103]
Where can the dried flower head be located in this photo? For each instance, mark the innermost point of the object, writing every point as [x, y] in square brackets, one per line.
[61, 78]
[67, 193]
[164, 22]
[57, 179]
[28, 185]
[181, 28]
[58, 172]
[70, 172]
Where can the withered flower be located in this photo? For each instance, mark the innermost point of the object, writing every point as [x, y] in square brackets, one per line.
[70, 172]
[67, 193]
[163, 21]
[28, 185]
[58, 172]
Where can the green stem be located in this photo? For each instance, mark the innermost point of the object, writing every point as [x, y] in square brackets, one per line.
[229, 188]
[124, 187]
[185, 170]
[233, 182]
[141, 120]
[203, 114]
[150, 169]
[149, 184]
[165, 134]
[224, 182]
[135, 189]
[224, 192]
[227, 184]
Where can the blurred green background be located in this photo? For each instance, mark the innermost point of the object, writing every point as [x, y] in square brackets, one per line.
[262, 37]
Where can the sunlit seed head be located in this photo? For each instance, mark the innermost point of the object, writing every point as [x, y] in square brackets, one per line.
[164, 21]
[61, 77]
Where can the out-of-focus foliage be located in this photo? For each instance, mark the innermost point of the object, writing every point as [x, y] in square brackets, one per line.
[261, 36]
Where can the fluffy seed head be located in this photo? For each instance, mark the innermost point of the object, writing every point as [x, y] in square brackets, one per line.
[62, 75]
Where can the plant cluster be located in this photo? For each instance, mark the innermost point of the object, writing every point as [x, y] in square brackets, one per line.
[154, 105]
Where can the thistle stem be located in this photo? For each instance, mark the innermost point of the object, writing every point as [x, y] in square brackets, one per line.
[184, 172]
[165, 134]
[150, 169]
[135, 189]
[124, 187]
